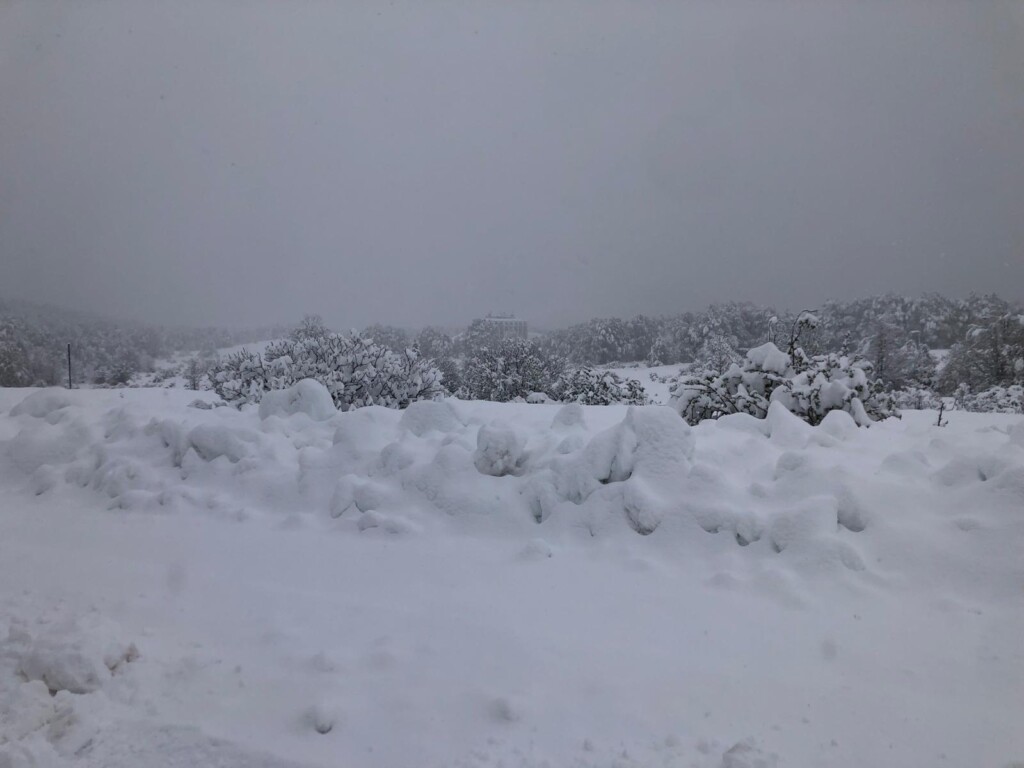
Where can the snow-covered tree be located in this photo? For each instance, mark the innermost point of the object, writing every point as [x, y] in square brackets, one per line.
[479, 335]
[899, 361]
[715, 354]
[514, 368]
[604, 340]
[195, 370]
[588, 386]
[990, 355]
[435, 343]
[390, 336]
[310, 327]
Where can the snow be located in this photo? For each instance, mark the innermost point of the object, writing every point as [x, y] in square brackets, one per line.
[307, 396]
[184, 586]
[770, 358]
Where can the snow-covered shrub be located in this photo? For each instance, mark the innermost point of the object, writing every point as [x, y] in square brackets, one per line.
[355, 370]
[916, 399]
[807, 386]
[118, 371]
[242, 378]
[590, 387]
[992, 400]
[515, 368]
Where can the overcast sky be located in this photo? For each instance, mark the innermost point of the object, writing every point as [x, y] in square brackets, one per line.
[247, 162]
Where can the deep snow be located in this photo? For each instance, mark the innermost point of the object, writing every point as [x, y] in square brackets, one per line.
[374, 588]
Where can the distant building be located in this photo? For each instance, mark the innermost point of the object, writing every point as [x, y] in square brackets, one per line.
[507, 326]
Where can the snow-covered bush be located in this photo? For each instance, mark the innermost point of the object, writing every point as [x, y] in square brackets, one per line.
[992, 400]
[808, 386]
[118, 371]
[355, 370]
[916, 399]
[590, 387]
[242, 378]
[515, 368]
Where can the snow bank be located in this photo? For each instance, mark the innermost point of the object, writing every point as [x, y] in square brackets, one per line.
[777, 485]
[543, 584]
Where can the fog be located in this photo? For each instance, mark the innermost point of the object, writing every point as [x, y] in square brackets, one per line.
[243, 163]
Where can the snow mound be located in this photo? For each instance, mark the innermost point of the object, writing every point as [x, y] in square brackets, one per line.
[43, 404]
[69, 656]
[569, 416]
[425, 416]
[746, 754]
[777, 488]
[307, 396]
[132, 744]
[499, 451]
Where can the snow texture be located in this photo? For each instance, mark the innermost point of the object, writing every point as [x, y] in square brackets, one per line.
[476, 584]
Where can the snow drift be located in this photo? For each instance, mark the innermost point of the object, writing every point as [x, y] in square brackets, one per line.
[544, 584]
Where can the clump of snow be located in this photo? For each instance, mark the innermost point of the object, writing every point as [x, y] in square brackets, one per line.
[211, 441]
[499, 451]
[322, 717]
[838, 424]
[307, 396]
[69, 656]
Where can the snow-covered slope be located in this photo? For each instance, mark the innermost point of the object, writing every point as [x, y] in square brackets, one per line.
[481, 584]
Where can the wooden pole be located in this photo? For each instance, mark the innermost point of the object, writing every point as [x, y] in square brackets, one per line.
[69, 366]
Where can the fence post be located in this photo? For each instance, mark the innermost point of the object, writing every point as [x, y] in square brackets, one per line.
[69, 367]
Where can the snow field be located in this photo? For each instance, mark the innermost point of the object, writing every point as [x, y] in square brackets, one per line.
[468, 583]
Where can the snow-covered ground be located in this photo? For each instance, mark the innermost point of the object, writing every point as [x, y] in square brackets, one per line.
[481, 584]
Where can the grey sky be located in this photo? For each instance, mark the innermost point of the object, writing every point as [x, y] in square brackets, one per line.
[246, 162]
